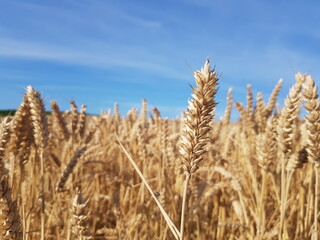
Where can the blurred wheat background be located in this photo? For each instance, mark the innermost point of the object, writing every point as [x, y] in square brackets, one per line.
[68, 175]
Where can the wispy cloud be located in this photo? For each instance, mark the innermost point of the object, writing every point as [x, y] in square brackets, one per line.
[98, 34]
[107, 58]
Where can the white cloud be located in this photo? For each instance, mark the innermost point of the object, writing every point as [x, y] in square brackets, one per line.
[108, 57]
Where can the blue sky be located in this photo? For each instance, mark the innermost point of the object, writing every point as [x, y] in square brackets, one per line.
[101, 52]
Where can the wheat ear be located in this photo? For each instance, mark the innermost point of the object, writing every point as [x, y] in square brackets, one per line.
[61, 124]
[69, 168]
[4, 139]
[144, 110]
[74, 117]
[249, 102]
[41, 133]
[39, 119]
[312, 105]
[22, 132]
[242, 111]
[82, 120]
[273, 98]
[288, 115]
[196, 126]
[10, 223]
[227, 112]
[80, 217]
[92, 130]
[259, 114]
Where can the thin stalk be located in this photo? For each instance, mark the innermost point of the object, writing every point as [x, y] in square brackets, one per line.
[283, 196]
[288, 181]
[310, 204]
[286, 194]
[316, 185]
[261, 226]
[42, 195]
[171, 225]
[23, 221]
[184, 200]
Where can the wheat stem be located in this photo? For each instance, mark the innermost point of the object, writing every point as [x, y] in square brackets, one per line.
[171, 225]
[184, 200]
[316, 186]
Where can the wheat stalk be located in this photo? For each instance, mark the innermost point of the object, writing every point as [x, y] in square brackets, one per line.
[171, 225]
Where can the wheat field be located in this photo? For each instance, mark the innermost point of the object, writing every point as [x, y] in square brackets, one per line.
[69, 175]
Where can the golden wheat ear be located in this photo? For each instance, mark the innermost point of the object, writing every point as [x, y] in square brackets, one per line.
[74, 117]
[194, 136]
[273, 98]
[4, 139]
[198, 116]
[227, 113]
[39, 118]
[312, 105]
[82, 120]
[69, 169]
[289, 114]
[59, 121]
[10, 223]
[80, 217]
[22, 133]
[41, 136]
